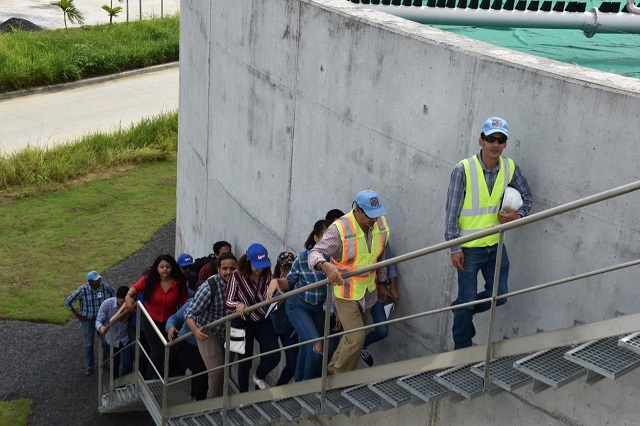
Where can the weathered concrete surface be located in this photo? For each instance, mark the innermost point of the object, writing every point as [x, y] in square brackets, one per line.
[289, 108]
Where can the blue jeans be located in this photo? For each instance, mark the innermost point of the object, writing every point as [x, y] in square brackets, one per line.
[89, 332]
[288, 338]
[308, 321]
[380, 332]
[481, 259]
[123, 362]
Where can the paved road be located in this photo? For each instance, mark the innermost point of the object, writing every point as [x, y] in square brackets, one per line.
[62, 116]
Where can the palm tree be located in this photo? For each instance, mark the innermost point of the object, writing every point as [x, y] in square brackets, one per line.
[112, 11]
[69, 11]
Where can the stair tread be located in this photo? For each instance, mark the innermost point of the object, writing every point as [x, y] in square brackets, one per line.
[364, 398]
[309, 402]
[502, 373]
[391, 391]
[550, 367]
[267, 409]
[604, 357]
[461, 381]
[336, 401]
[252, 416]
[288, 407]
[424, 386]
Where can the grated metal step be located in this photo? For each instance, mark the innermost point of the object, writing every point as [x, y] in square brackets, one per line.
[214, 418]
[392, 392]
[336, 402]
[365, 399]
[268, 411]
[234, 418]
[289, 408]
[461, 381]
[424, 386]
[309, 402]
[502, 373]
[604, 357]
[120, 397]
[195, 420]
[631, 342]
[252, 416]
[549, 368]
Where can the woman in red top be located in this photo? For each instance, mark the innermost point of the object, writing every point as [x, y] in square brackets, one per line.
[164, 291]
[248, 286]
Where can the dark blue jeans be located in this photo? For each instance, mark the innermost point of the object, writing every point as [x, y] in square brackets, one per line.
[263, 332]
[308, 321]
[380, 332]
[481, 259]
[119, 368]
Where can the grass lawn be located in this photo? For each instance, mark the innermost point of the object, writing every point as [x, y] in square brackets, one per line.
[50, 241]
[15, 412]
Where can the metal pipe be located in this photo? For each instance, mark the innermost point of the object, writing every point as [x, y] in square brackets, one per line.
[589, 22]
[225, 389]
[325, 349]
[632, 8]
[492, 317]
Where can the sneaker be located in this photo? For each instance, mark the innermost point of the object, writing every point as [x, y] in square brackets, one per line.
[261, 384]
[88, 371]
[366, 357]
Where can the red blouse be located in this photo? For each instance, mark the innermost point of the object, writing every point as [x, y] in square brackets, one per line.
[159, 304]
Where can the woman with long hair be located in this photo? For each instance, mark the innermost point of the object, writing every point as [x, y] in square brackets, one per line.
[164, 292]
[247, 287]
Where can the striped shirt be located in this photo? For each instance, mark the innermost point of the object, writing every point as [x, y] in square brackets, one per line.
[302, 275]
[244, 290]
[204, 311]
[457, 190]
[90, 299]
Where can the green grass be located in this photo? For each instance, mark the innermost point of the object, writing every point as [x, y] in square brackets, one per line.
[15, 412]
[34, 170]
[31, 59]
[50, 241]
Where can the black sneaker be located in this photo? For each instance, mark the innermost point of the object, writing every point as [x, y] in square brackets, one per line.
[366, 357]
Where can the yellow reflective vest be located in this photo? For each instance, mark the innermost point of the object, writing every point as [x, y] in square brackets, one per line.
[480, 209]
[356, 255]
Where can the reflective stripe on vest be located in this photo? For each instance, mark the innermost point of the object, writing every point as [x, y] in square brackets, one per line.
[480, 209]
[356, 255]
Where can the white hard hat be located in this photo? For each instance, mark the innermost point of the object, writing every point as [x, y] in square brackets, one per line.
[511, 199]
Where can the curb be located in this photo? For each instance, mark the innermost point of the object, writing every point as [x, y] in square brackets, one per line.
[85, 82]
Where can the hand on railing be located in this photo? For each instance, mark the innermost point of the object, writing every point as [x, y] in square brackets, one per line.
[172, 333]
[240, 309]
[333, 273]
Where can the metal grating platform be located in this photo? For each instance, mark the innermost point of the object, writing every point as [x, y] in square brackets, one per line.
[336, 403]
[252, 416]
[461, 381]
[214, 418]
[424, 386]
[604, 357]
[176, 394]
[289, 408]
[550, 367]
[309, 402]
[195, 420]
[268, 411]
[502, 373]
[631, 342]
[391, 391]
[365, 399]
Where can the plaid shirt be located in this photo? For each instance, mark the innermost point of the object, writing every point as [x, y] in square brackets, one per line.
[457, 190]
[90, 300]
[204, 311]
[302, 275]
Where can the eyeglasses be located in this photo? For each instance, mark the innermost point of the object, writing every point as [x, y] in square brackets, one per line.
[492, 139]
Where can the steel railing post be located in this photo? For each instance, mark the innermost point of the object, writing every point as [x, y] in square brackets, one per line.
[141, 10]
[227, 355]
[325, 347]
[165, 390]
[100, 360]
[492, 317]
[137, 350]
[111, 362]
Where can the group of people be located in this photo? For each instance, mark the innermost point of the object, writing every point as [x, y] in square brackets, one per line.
[181, 299]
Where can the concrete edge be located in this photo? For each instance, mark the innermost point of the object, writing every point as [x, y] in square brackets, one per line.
[85, 82]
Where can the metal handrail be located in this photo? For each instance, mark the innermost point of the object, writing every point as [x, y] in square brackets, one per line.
[409, 256]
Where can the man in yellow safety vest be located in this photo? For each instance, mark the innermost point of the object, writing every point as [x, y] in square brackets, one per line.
[475, 193]
[353, 241]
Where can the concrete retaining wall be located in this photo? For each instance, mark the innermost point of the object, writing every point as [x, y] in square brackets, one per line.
[288, 108]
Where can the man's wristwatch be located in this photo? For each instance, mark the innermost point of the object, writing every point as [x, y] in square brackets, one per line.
[319, 265]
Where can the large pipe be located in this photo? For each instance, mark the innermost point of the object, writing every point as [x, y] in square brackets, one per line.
[631, 7]
[589, 22]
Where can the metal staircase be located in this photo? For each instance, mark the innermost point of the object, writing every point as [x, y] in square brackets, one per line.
[600, 350]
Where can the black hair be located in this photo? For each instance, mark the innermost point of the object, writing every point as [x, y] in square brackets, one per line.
[318, 227]
[332, 215]
[225, 256]
[218, 245]
[154, 277]
[121, 292]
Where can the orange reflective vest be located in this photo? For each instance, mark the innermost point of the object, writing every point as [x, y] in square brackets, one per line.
[356, 254]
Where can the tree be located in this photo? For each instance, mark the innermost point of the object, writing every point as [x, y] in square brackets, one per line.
[69, 11]
[112, 11]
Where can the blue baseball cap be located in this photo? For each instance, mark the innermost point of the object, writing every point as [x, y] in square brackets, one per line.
[93, 276]
[495, 125]
[185, 259]
[369, 201]
[258, 256]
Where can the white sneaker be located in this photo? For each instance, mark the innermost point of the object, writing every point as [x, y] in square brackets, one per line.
[260, 383]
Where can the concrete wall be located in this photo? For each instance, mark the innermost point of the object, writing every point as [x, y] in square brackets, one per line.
[289, 107]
